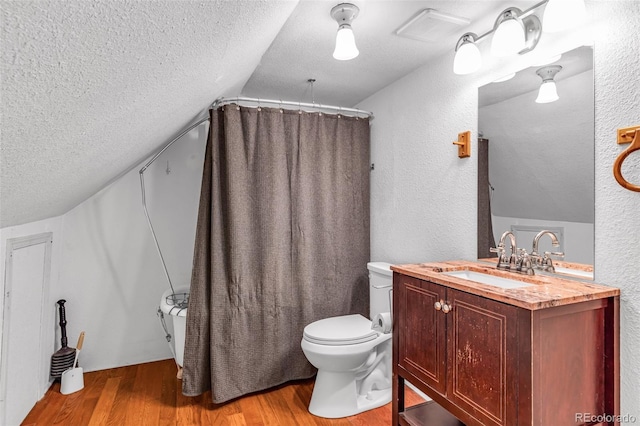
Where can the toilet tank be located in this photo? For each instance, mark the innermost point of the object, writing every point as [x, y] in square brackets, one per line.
[380, 286]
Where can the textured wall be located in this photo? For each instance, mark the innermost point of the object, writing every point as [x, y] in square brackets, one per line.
[617, 228]
[423, 197]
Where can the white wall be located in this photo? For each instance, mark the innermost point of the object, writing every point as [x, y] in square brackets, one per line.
[617, 228]
[111, 274]
[423, 198]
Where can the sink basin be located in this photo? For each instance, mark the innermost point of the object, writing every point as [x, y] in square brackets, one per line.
[574, 272]
[479, 277]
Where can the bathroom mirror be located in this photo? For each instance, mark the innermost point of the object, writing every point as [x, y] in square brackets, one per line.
[541, 157]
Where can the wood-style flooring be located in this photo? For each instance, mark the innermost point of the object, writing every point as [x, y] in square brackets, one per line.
[150, 394]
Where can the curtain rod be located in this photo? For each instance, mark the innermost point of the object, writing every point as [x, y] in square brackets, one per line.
[299, 105]
[219, 102]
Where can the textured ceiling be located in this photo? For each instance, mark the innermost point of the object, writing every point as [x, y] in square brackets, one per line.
[91, 88]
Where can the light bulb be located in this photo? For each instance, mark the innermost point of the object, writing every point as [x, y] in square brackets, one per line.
[508, 38]
[547, 92]
[345, 44]
[563, 14]
[467, 59]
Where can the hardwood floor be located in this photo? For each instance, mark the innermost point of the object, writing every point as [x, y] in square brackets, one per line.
[150, 394]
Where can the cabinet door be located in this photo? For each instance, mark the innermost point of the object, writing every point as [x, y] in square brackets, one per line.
[421, 330]
[482, 352]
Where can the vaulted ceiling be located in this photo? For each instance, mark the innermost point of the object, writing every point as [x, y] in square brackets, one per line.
[91, 88]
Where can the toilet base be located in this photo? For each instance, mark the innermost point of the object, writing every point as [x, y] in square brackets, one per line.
[335, 395]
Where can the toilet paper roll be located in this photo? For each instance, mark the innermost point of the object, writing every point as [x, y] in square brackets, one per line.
[382, 323]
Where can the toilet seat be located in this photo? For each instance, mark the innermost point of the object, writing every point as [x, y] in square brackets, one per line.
[340, 331]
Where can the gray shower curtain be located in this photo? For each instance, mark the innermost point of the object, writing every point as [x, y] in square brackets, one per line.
[485, 224]
[282, 240]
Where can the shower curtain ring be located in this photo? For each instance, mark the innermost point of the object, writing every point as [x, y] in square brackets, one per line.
[299, 107]
[259, 105]
[281, 111]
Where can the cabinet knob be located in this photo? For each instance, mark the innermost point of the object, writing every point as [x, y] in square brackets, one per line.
[438, 305]
[446, 308]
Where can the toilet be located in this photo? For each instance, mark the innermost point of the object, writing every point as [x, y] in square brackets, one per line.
[353, 354]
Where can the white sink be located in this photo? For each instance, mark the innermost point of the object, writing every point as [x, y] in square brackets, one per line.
[479, 277]
[574, 272]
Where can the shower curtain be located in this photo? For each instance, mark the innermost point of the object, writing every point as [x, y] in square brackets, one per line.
[282, 240]
[485, 226]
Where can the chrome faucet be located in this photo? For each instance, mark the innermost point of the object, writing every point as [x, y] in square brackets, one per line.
[519, 261]
[544, 262]
[505, 262]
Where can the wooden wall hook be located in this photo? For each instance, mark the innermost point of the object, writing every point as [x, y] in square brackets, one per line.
[617, 165]
[464, 144]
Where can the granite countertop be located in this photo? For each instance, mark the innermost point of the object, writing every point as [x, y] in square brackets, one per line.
[545, 292]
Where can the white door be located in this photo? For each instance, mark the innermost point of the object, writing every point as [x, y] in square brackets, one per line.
[23, 363]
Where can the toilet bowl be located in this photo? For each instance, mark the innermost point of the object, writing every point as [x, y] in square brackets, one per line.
[352, 358]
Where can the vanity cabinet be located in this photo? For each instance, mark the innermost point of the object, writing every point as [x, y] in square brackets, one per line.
[485, 362]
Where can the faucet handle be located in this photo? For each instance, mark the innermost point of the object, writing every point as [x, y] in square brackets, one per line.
[526, 266]
[554, 253]
[499, 249]
[547, 263]
[503, 262]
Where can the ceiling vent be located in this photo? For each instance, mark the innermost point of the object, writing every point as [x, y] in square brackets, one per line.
[431, 25]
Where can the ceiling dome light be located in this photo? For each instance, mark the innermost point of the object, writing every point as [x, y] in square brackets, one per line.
[548, 91]
[508, 38]
[560, 15]
[345, 44]
[468, 58]
[346, 48]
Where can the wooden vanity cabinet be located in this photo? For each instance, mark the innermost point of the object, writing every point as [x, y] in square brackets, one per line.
[486, 362]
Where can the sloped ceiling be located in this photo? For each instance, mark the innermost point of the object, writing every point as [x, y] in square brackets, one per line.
[91, 88]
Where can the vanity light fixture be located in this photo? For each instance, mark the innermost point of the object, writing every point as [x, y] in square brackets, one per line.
[514, 32]
[508, 37]
[548, 92]
[468, 59]
[560, 15]
[346, 48]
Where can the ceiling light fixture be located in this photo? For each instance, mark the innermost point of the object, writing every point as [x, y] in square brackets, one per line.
[344, 14]
[468, 58]
[548, 91]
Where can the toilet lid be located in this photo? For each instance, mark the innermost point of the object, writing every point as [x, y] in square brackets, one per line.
[344, 330]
